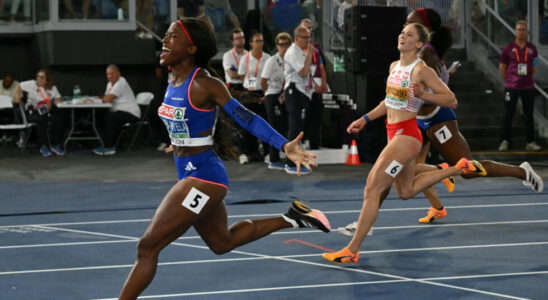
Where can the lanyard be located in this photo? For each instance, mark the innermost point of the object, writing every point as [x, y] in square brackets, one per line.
[45, 99]
[258, 62]
[517, 55]
[235, 57]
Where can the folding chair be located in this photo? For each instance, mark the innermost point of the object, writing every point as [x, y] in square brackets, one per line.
[143, 100]
[20, 121]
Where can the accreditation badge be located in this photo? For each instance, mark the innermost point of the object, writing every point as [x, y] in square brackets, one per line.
[252, 82]
[522, 69]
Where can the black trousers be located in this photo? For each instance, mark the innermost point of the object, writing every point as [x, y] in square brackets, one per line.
[297, 105]
[249, 144]
[528, 101]
[57, 117]
[277, 118]
[313, 122]
[113, 125]
[157, 126]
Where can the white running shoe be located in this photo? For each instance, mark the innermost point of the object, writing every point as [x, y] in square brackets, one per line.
[350, 229]
[243, 159]
[503, 145]
[533, 146]
[532, 179]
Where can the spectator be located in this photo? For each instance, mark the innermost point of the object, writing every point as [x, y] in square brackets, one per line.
[157, 127]
[70, 9]
[144, 15]
[232, 59]
[298, 85]
[124, 109]
[253, 63]
[250, 69]
[10, 87]
[218, 11]
[190, 8]
[42, 100]
[15, 7]
[272, 80]
[312, 130]
[517, 66]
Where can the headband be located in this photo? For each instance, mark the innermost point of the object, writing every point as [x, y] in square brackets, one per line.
[422, 14]
[186, 32]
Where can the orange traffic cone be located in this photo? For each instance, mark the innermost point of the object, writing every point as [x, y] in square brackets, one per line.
[353, 159]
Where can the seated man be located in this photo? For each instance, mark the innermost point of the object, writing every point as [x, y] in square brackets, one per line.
[124, 109]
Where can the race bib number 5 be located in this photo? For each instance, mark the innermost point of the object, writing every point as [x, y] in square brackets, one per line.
[195, 200]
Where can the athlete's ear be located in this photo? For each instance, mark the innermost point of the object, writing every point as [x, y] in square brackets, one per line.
[192, 49]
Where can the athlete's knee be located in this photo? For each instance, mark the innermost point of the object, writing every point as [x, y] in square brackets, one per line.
[405, 193]
[146, 247]
[220, 249]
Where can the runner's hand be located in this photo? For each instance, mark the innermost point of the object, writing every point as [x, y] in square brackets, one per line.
[297, 155]
[356, 126]
[169, 149]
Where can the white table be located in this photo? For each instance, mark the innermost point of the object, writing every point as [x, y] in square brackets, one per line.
[74, 106]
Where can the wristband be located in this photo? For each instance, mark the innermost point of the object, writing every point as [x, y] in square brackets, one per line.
[366, 119]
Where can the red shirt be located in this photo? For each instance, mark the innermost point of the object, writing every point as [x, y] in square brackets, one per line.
[512, 55]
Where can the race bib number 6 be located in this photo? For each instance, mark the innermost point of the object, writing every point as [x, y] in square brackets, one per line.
[394, 169]
[195, 200]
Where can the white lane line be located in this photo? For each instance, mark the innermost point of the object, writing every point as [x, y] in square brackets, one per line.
[447, 248]
[342, 284]
[64, 244]
[127, 266]
[195, 237]
[277, 214]
[314, 264]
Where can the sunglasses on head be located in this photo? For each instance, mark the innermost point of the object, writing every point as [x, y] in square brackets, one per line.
[283, 44]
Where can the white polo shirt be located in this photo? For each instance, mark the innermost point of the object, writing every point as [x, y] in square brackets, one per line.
[125, 99]
[11, 91]
[294, 62]
[252, 68]
[38, 94]
[231, 59]
[274, 72]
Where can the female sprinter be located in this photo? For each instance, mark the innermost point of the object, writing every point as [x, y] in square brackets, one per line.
[440, 123]
[189, 111]
[405, 92]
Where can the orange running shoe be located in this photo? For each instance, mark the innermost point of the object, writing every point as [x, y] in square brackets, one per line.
[471, 167]
[342, 256]
[449, 181]
[433, 214]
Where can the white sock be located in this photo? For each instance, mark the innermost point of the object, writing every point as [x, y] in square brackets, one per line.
[290, 221]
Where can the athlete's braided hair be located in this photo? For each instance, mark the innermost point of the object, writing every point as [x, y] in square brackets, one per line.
[440, 35]
[203, 38]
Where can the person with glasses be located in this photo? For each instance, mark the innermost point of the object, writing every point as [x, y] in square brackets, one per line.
[299, 70]
[272, 80]
[518, 64]
[312, 122]
[41, 107]
[250, 70]
[232, 59]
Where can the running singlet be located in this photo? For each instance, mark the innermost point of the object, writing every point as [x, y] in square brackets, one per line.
[182, 119]
[398, 94]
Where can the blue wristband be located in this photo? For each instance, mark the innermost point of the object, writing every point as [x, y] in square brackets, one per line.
[366, 118]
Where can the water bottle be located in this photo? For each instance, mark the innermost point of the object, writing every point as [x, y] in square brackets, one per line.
[120, 14]
[76, 92]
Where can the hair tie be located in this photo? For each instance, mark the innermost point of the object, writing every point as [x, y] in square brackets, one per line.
[424, 17]
[186, 32]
